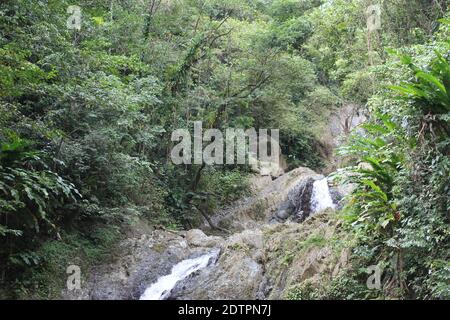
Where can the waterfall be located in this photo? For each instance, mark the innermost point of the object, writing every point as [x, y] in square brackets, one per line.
[321, 197]
[162, 288]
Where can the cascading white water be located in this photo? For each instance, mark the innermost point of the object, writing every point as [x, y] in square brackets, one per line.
[321, 197]
[162, 288]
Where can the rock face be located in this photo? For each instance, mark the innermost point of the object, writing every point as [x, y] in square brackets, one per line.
[268, 263]
[295, 253]
[265, 256]
[251, 212]
[298, 202]
[238, 274]
[340, 123]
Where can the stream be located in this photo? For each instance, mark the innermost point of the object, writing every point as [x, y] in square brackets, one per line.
[162, 288]
[321, 197]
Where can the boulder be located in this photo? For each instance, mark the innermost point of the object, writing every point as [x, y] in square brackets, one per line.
[283, 214]
[198, 238]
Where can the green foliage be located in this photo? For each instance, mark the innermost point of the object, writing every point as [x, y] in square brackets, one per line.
[29, 195]
[99, 105]
[371, 202]
[44, 270]
[291, 33]
[304, 292]
[86, 117]
[431, 92]
[283, 10]
[312, 241]
[16, 72]
[399, 204]
[358, 86]
[341, 287]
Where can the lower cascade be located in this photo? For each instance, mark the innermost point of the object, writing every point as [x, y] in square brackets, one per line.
[321, 197]
[162, 288]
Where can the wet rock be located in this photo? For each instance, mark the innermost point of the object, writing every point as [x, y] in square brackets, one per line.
[286, 209]
[337, 197]
[303, 201]
[283, 214]
[298, 201]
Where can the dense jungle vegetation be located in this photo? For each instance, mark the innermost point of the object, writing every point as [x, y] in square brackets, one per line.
[86, 117]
